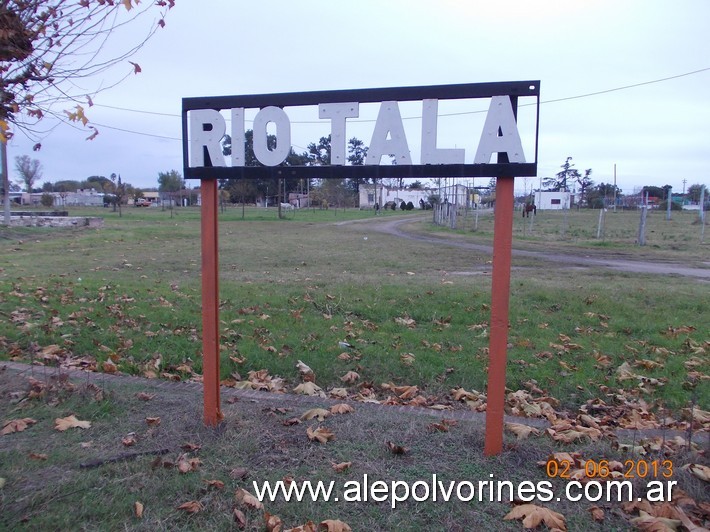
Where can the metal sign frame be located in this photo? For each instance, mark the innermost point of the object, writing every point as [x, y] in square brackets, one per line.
[503, 170]
[514, 89]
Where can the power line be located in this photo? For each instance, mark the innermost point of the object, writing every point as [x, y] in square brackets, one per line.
[556, 100]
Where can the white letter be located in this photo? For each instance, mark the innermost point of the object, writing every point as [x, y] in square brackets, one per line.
[420, 498]
[570, 497]
[352, 486]
[389, 122]
[526, 487]
[207, 128]
[283, 136]
[238, 137]
[459, 492]
[430, 153]
[590, 498]
[379, 487]
[396, 498]
[655, 491]
[544, 487]
[338, 113]
[500, 117]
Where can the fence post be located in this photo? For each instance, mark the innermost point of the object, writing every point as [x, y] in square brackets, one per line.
[642, 223]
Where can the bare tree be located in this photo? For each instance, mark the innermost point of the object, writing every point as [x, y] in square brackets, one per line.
[30, 170]
[52, 50]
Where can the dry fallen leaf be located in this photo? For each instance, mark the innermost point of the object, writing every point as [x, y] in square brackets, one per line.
[652, 523]
[37, 456]
[217, 484]
[350, 377]
[239, 518]
[138, 509]
[17, 425]
[305, 370]
[143, 396]
[407, 359]
[319, 413]
[309, 388]
[310, 526]
[533, 516]
[243, 497]
[186, 465]
[520, 430]
[152, 421]
[698, 470]
[334, 525]
[130, 439]
[396, 449]
[341, 408]
[342, 466]
[70, 422]
[597, 513]
[191, 507]
[320, 434]
[273, 523]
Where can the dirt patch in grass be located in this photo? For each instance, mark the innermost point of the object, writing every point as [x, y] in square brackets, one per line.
[255, 443]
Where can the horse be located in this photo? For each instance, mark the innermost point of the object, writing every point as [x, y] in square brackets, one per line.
[528, 208]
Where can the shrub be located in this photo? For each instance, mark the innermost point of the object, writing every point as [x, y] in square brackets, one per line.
[402, 206]
[675, 206]
[410, 206]
[47, 200]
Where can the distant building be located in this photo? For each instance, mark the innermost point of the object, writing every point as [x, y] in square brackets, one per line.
[382, 194]
[549, 200]
[299, 200]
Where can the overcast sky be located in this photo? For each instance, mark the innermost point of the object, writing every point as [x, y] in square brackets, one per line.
[655, 133]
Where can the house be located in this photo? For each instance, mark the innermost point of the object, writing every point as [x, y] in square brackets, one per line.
[553, 200]
[383, 194]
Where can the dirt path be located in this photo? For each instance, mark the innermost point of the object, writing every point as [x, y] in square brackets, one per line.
[394, 227]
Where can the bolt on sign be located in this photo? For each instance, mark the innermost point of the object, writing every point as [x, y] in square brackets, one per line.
[411, 132]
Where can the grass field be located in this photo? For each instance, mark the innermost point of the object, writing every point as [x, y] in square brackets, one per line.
[126, 299]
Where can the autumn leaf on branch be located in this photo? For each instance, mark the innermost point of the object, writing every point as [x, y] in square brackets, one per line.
[49, 49]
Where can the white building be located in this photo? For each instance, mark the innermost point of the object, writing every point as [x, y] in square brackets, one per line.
[457, 194]
[547, 200]
[382, 194]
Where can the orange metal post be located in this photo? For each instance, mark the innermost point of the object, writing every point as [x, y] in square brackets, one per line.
[210, 304]
[500, 302]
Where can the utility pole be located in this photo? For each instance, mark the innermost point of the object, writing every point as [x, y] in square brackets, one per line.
[684, 182]
[614, 187]
[5, 181]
